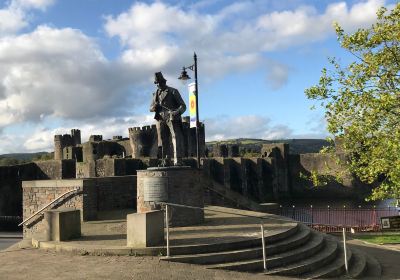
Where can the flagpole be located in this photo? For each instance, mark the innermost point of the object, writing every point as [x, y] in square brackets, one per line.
[197, 112]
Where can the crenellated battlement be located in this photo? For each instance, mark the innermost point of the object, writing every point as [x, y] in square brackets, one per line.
[142, 143]
[138, 129]
[95, 138]
[143, 140]
[64, 141]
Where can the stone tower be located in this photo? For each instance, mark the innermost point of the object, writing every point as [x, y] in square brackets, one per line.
[64, 141]
[76, 136]
[58, 147]
[143, 141]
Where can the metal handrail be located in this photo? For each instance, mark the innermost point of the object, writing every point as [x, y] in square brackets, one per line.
[266, 217]
[166, 204]
[47, 205]
[226, 197]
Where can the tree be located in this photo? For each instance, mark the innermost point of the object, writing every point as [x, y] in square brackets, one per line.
[362, 102]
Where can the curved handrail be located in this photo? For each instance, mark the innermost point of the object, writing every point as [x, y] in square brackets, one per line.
[264, 217]
[47, 205]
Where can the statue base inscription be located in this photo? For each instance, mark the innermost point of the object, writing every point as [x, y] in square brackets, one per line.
[176, 184]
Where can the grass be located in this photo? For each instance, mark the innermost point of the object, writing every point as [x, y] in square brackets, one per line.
[380, 238]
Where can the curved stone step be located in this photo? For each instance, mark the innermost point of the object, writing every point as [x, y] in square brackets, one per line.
[358, 264]
[374, 268]
[313, 245]
[332, 269]
[233, 245]
[307, 264]
[303, 235]
[291, 242]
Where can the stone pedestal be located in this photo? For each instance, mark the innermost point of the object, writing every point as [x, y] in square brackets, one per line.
[62, 224]
[184, 186]
[145, 229]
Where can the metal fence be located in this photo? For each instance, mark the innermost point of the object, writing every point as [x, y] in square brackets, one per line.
[10, 223]
[331, 219]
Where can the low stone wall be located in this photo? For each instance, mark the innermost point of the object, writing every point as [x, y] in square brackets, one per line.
[36, 194]
[94, 195]
[117, 192]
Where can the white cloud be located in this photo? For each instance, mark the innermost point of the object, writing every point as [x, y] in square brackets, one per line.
[11, 21]
[42, 138]
[62, 74]
[31, 4]
[259, 127]
[59, 73]
[277, 75]
[159, 36]
[305, 24]
[15, 15]
[249, 126]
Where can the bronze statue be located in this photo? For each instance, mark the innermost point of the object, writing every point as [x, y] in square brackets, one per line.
[168, 106]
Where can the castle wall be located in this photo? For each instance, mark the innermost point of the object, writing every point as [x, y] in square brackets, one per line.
[125, 143]
[72, 152]
[64, 141]
[86, 169]
[89, 151]
[55, 169]
[254, 178]
[279, 152]
[326, 166]
[110, 167]
[143, 140]
[58, 147]
[12, 176]
[11, 188]
[93, 150]
[76, 137]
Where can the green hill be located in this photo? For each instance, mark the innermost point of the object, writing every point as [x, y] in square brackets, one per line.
[18, 158]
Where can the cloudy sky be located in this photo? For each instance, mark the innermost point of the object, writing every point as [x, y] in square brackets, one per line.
[89, 64]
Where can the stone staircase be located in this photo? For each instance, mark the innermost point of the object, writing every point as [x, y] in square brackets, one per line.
[298, 252]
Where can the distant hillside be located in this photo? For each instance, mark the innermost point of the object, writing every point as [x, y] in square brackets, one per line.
[24, 156]
[296, 146]
[19, 158]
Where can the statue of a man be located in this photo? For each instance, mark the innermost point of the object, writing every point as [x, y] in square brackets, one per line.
[168, 106]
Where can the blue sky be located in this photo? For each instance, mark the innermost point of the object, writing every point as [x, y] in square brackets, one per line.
[89, 64]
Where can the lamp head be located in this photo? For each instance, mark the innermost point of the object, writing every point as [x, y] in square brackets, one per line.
[184, 75]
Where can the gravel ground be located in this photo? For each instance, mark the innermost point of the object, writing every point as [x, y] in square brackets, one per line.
[28, 263]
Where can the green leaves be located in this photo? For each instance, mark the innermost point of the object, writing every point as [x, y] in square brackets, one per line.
[362, 102]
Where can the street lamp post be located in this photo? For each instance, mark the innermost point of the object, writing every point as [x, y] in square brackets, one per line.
[184, 76]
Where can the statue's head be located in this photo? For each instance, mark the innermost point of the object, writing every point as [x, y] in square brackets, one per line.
[159, 80]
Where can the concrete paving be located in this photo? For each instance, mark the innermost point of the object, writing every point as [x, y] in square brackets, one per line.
[8, 239]
[222, 225]
[7, 242]
[24, 262]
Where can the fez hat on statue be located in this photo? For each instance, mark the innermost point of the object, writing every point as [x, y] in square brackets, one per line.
[158, 77]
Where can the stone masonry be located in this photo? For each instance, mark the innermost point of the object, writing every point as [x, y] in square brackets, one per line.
[93, 195]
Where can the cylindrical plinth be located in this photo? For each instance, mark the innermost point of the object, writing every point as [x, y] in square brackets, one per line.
[184, 187]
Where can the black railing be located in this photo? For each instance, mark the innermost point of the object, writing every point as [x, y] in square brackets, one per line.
[331, 219]
[10, 223]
